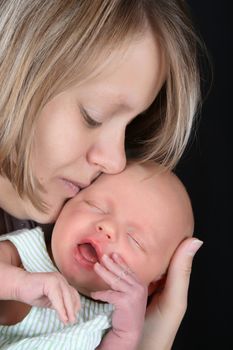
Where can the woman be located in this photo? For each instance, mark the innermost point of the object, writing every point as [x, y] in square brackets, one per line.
[81, 82]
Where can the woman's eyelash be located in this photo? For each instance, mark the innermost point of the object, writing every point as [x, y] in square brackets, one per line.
[89, 120]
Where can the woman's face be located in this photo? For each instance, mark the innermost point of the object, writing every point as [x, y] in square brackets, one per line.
[81, 132]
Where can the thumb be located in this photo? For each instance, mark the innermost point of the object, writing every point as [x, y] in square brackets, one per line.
[177, 283]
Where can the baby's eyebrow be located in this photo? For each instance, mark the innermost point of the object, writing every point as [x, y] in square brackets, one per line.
[105, 202]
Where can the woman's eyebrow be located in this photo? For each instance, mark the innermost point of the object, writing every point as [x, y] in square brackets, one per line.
[124, 106]
[120, 106]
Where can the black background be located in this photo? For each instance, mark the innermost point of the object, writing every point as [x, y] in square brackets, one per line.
[206, 170]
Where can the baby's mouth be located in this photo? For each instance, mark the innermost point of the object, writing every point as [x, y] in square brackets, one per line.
[88, 252]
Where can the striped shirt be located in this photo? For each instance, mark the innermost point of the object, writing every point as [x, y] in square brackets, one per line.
[41, 328]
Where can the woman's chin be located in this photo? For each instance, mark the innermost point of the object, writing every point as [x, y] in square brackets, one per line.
[49, 216]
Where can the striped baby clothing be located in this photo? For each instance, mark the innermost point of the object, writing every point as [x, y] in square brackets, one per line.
[41, 328]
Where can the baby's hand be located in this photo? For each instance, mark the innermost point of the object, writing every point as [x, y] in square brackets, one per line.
[50, 290]
[127, 294]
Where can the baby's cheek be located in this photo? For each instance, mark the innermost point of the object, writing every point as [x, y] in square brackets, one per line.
[140, 270]
[146, 271]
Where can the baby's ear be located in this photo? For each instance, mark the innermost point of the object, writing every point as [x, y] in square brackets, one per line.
[157, 286]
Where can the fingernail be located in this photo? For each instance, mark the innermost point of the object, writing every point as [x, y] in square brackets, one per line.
[105, 257]
[97, 265]
[194, 247]
[117, 258]
[66, 320]
[72, 320]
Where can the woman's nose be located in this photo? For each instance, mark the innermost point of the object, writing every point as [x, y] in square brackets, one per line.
[108, 153]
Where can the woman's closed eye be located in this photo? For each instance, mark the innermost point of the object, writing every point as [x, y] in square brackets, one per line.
[91, 122]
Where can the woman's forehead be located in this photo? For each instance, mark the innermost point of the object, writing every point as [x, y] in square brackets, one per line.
[137, 74]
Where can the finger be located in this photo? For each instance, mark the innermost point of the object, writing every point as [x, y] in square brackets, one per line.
[56, 299]
[177, 283]
[76, 301]
[67, 294]
[119, 260]
[114, 281]
[45, 302]
[124, 273]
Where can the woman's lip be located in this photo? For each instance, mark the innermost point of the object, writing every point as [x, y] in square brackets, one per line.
[73, 186]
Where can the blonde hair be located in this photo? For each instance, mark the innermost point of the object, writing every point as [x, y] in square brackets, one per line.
[46, 46]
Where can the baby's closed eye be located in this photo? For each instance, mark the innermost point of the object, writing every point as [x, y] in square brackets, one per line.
[135, 240]
[95, 207]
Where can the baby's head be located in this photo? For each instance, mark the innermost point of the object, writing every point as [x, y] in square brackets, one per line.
[142, 213]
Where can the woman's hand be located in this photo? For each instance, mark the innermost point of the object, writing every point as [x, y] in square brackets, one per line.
[167, 308]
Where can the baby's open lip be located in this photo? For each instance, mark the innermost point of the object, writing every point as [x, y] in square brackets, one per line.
[88, 252]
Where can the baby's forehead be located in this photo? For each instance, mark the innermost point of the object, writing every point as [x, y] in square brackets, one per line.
[146, 169]
[149, 176]
[145, 180]
[142, 173]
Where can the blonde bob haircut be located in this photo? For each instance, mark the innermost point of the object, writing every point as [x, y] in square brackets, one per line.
[47, 46]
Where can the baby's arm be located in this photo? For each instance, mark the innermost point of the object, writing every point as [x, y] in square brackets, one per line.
[129, 297]
[39, 289]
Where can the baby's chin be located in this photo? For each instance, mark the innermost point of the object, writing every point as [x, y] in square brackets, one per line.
[85, 292]
[88, 290]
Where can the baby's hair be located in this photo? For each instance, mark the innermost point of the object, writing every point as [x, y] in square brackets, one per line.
[49, 46]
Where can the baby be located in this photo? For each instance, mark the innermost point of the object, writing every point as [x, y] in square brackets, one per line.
[112, 243]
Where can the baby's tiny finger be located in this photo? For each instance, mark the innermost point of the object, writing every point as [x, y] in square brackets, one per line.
[57, 303]
[68, 302]
[109, 277]
[76, 301]
[113, 280]
[123, 272]
[118, 259]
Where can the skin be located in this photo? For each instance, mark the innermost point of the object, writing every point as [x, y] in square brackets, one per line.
[130, 220]
[165, 313]
[140, 214]
[68, 152]
[110, 214]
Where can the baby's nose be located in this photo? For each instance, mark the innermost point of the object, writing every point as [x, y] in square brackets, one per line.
[107, 230]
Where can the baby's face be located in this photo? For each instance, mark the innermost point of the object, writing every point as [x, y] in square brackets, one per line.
[138, 217]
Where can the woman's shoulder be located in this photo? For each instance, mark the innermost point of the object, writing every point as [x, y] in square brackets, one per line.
[9, 223]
